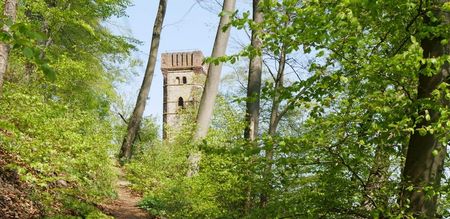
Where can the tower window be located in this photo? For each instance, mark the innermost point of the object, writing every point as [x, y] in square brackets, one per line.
[184, 80]
[178, 80]
[181, 102]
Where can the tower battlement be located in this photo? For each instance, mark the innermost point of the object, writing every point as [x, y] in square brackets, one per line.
[182, 61]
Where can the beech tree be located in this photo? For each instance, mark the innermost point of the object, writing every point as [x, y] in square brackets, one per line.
[427, 148]
[136, 117]
[254, 76]
[10, 12]
[211, 89]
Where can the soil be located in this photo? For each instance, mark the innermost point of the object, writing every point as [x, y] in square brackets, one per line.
[125, 206]
[14, 193]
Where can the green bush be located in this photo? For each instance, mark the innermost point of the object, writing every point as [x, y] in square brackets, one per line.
[67, 145]
[216, 192]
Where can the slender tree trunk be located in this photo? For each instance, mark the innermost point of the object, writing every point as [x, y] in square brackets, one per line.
[254, 78]
[135, 120]
[9, 11]
[273, 125]
[378, 173]
[376, 180]
[426, 153]
[206, 107]
[211, 89]
[253, 90]
[279, 83]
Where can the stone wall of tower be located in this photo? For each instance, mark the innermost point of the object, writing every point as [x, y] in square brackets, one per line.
[184, 77]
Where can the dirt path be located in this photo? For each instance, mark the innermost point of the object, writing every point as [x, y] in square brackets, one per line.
[125, 206]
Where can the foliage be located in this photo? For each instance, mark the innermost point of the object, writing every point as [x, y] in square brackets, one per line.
[161, 173]
[340, 149]
[57, 97]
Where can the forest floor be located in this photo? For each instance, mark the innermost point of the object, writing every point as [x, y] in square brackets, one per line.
[125, 206]
[14, 193]
[15, 201]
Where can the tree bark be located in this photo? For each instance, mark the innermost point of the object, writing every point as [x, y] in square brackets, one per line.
[253, 88]
[279, 83]
[254, 78]
[135, 120]
[9, 11]
[211, 89]
[209, 95]
[426, 153]
[273, 124]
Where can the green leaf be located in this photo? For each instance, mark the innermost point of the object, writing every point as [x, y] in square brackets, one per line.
[435, 153]
[446, 7]
[48, 72]
[28, 53]
[427, 115]
[343, 79]
[422, 131]
[321, 53]
[87, 27]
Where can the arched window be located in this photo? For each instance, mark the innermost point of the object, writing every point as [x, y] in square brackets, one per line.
[178, 80]
[181, 102]
[184, 80]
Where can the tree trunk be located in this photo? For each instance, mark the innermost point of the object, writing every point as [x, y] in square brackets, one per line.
[135, 120]
[211, 89]
[376, 180]
[253, 89]
[254, 78]
[9, 11]
[206, 107]
[273, 125]
[426, 153]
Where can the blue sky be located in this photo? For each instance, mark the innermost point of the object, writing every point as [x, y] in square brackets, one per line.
[187, 26]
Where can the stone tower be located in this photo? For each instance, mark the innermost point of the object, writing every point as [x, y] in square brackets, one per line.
[184, 77]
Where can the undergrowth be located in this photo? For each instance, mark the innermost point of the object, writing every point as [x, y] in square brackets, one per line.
[66, 146]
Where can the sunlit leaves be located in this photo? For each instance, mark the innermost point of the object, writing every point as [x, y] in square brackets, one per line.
[58, 93]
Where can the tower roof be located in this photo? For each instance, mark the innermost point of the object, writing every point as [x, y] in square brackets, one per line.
[175, 61]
